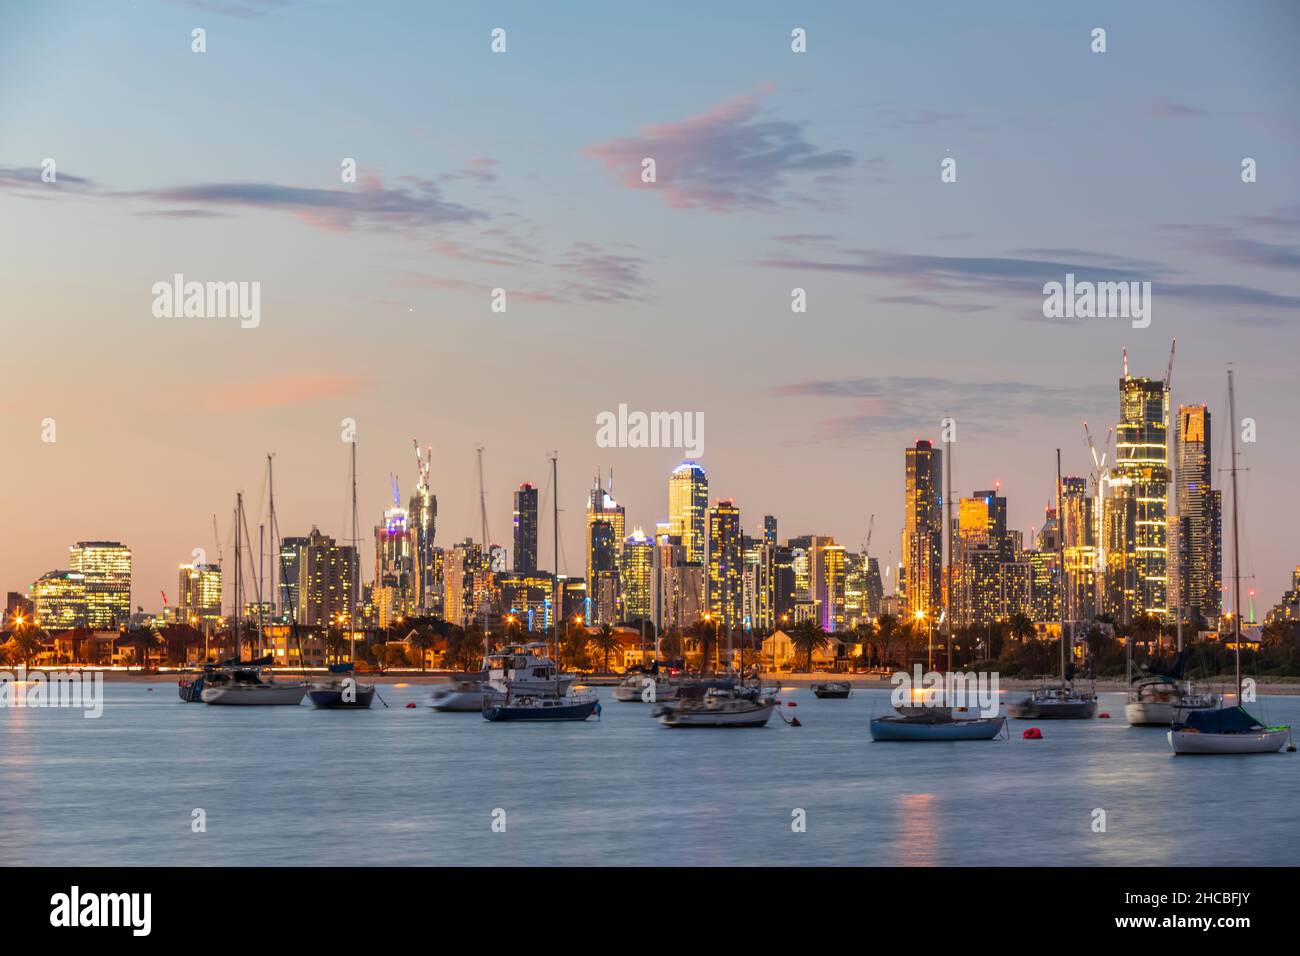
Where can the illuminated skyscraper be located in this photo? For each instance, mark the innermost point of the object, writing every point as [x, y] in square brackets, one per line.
[637, 576]
[525, 519]
[604, 552]
[1194, 547]
[106, 566]
[1141, 478]
[1080, 530]
[326, 571]
[423, 522]
[830, 584]
[688, 505]
[200, 594]
[395, 557]
[59, 598]
[922, 528]
[465, 570]
[726, 590]
[290, 572]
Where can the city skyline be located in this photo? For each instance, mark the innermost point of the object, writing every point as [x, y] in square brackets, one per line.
[982, 543]
[478, 171]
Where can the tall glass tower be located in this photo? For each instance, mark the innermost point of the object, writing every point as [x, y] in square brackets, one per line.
[688, 506]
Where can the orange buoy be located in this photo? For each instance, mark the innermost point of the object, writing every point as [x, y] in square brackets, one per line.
[795, 722]
[1033, 733]
[1103, 715]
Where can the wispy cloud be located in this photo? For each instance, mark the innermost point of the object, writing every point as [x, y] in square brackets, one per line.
[282, 388]
[889, 404]
[726, 159]
[964, 282]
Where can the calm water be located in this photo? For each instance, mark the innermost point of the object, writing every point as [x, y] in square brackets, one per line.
[300, 786]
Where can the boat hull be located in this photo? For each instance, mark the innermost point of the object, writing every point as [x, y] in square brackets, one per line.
[256, 695]
[1268, 741]
[822, 694]
[899, 728]
[757, 717]
[457, 701]
[192, 692]
[332, 697]
[1053, 710]
[501, 711]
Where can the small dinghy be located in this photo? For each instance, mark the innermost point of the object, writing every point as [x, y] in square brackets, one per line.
[1230, 730]
[934, 723]
[832, 690]
[342, 690]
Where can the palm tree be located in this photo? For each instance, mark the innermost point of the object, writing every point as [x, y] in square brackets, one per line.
[704, 638]
[808, 637]
[864, 633]
[1020, 627]
[27, 642]
[144, 639]
[423, 640]
[605, 642]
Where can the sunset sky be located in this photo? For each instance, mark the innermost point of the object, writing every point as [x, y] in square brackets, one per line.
[521, 171]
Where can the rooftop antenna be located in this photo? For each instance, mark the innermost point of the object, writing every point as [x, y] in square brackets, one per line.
[1126, 362]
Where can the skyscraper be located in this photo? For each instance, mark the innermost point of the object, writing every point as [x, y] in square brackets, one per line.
[1079, 528]
[199, 601]
[1195, 578]
[726, 589]
[106, 566]
[922, 528]
[1141, 477]
[606, 528]
[688, 505]
[395, 565]
[59, 598]
[326, 572]
[637, 576]
[423, 517]
[525, 519]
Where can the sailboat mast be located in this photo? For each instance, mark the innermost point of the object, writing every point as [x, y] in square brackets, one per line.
[555, 599]
[1060, 558]
[485, 558]
[947, 503]
[239, 516]
[1236, 554]
[356, 564]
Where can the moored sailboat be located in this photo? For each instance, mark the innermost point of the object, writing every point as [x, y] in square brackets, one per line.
[1061, 701]
[1231, 730]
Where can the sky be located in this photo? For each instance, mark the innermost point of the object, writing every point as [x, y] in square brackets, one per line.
[521, 170]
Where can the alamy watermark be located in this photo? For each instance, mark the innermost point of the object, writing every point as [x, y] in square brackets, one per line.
[1099, 300]
[624, 429]
[179, 299]
[948, 689]
[84, 689]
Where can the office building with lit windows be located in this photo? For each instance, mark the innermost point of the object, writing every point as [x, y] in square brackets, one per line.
[1140, 483]
[637, 576]
[59, 600]
[922, 529]
[688, 506]
[525, 529]
[106, 566]
[199, 587]
[725, 564]
[1195, 544]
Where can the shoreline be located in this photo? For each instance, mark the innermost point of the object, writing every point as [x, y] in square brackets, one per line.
[1267, 686]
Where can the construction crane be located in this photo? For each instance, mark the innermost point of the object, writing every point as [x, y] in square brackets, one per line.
[1100, 481]
[866, 542]
[423, 462]
[216, 534]
[1169, 372]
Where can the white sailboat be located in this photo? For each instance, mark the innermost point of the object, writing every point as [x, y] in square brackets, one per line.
[1229, 730]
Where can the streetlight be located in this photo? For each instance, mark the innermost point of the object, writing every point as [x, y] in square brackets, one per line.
[920, 616]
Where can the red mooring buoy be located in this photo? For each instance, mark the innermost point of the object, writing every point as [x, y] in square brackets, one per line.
[411, 705]
[1033, 733]
[1103, 716]
[795, 722]
[790, 703]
